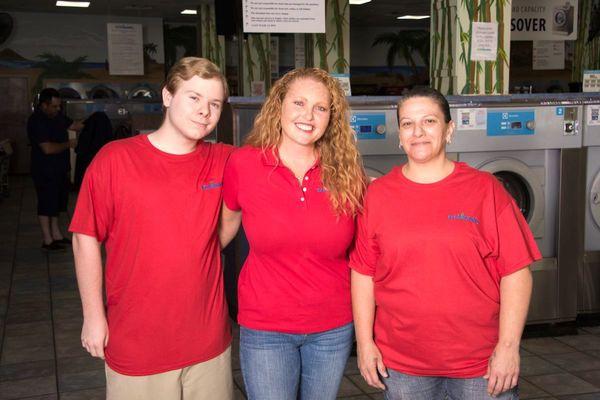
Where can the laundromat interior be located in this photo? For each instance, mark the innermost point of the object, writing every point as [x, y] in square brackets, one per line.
[522, 78]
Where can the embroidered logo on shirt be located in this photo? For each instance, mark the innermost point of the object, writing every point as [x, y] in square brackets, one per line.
[211, 185]
[322, 190]
[463, 217]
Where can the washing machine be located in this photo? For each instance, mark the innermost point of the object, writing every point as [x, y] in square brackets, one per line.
[526, 146]
[589, 273]
[375, 123]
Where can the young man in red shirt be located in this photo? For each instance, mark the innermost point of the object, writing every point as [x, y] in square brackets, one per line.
[153, 201]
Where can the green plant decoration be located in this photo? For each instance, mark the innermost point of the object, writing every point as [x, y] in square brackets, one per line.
[55, 66]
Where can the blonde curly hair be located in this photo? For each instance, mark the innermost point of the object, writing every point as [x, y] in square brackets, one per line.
[342, 171]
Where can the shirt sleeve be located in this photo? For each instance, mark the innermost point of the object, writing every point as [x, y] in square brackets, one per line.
[94, 211]
[365, 253]
[38, 132]
[230, 183]
[516, 244]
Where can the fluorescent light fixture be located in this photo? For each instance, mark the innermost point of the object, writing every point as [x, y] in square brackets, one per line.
[190, 12]
[414, 17]
[359, 2]
[83, 4]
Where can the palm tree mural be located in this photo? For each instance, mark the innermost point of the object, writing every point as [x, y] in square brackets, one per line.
[405, 44]
[55, 66]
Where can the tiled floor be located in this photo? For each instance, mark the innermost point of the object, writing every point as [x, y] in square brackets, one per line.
[40, 320]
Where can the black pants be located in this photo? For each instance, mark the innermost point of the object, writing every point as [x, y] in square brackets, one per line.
[52, 195]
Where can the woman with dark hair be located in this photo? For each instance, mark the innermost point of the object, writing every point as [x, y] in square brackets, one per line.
[440, 277]
[297, 185]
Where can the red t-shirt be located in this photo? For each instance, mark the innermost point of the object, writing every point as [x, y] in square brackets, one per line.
[296, 277]
[437, 253]
[157, 214]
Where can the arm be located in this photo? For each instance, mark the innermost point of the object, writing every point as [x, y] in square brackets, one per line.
[370, 361]
[76, 126]
[229, 225]
[88, 266]
[55, 148]
[503, 367]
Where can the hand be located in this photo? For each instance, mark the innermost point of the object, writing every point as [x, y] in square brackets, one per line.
[94, 336]
[370, 363]
[76, 126]
[503, 369]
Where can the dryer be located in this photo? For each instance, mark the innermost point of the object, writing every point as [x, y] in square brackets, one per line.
[589, 272]
[525, 145]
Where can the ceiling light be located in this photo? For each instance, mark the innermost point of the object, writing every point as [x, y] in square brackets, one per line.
[359, 2]
[189, 12]
[72, 4]
[413, 17]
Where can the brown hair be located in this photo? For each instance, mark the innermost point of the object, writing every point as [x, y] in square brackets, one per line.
[188, 67]
[341, 165]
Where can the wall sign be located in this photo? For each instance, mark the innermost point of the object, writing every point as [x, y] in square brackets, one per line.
[544, 20]
[125, 49]
[283, 16]
[548, 54]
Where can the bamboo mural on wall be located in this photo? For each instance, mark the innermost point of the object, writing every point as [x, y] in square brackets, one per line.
[257, 64]
[331, 50]
[587, 45]
[213, 46]
[453, 71]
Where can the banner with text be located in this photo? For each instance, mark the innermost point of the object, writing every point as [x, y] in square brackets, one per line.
[543, 20]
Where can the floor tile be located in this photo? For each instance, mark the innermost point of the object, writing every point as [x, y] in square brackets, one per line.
[28, 328]
[574, 361]
[347, 388]
[545, 346]
[359, 381]
[79, 364]
[592, 377]
[90, 394]
[34, 369]
[533, 365]
[27, 387]
[581, 342]
[562, 384]
[81, 380]
[34, 353]
[528, 390]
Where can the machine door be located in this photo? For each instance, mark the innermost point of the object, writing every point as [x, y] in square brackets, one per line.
[525, 186]
[594, 200]
[103, 92]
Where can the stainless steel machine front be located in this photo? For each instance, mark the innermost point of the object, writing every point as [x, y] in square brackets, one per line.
[589, 272]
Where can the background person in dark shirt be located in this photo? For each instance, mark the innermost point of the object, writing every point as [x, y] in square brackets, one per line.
[50, 164]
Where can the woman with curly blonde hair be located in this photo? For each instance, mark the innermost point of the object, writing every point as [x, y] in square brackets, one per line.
[297, 185]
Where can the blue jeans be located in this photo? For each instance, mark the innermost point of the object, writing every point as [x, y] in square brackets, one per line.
[282, 366]
[401, 386]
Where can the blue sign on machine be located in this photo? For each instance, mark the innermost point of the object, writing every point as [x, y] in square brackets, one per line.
[368, 126]
[510, 123]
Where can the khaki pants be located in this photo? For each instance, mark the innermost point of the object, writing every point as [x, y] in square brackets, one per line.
[209, 380]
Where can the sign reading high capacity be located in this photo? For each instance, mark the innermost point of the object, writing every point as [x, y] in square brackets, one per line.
[544, 20]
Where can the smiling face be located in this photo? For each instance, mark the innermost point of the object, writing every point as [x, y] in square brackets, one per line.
[423, 130]
[195, 107]
[305, 112]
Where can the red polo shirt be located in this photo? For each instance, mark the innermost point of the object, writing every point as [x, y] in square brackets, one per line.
[437, 253]
[296, 277]
[157, 215]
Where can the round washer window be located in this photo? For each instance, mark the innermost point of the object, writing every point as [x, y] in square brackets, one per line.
[518, 189]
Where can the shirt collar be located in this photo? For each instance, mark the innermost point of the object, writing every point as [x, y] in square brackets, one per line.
[270, 156]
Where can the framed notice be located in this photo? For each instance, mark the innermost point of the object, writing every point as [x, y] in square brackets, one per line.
[125, 49]
[283, 16]
[591, 80]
